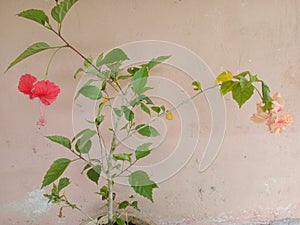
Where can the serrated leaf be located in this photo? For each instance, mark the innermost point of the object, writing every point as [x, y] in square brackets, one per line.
[139, 80]
[141, 184]
[36, 15]
[145, 109]
[154, 62]
[197, 85]
[91, 92]
[227, 86]
[63, 182]
[55, 171]
[156, 109]
[115, 55]
[241, 95]
[123, 205]
[31, 50]
[59, 11]
[224, 76]
[146, 130]
[142, 150]
[60, 140]
[123, 157]
[94, 173]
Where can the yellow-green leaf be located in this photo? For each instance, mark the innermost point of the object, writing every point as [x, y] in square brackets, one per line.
[225, 76]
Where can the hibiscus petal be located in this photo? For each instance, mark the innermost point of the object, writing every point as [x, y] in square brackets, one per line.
[46, 91]
[26, 84]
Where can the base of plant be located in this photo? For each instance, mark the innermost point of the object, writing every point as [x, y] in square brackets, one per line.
[130, 218]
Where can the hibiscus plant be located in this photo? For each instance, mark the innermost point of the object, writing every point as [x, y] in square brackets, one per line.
[103, 86]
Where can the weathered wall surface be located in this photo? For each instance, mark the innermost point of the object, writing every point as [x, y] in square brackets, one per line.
[256, 175]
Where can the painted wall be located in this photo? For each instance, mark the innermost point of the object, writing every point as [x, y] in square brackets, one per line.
[256, 175]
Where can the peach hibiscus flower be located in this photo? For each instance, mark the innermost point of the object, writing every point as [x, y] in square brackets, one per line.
[275, 119]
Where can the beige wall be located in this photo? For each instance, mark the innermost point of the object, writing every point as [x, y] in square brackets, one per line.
[256, 175]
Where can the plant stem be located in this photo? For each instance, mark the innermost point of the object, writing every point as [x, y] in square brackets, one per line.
[170, 110]
[110, 182]
[83, 57]
[50, 61]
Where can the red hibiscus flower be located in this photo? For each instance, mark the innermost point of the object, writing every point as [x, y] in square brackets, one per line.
[46, 91]
[26, 84]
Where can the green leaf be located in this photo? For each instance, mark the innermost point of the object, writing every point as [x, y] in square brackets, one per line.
[123, 157]
[146, 130]
[85, 139]
[87, 166]
[154, 62]
[266, 98]
[156, 109]
[98, 61]
[120, 221]
[163, 108]
[118, 112]
[59, 11]
[227, 86]
[94, 173]
[145, 109]
[139, 80]
[60, 140]
[132, 70]
[36, 15]
[81, 133]
[103, 85]
[91, 92]
[77, 72]
[87, 63]
[99, 120]
[115, 55]
[104, 192]
[142, 150]
[63, 182]
[146, 99]
[225, 76]
[124, 77]
[134, 205]
[129, 115]
[241, 95]
[55, 171]
[141, 184]
[31, 50]
[123, 205]
[84, 149]
[197, 85]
